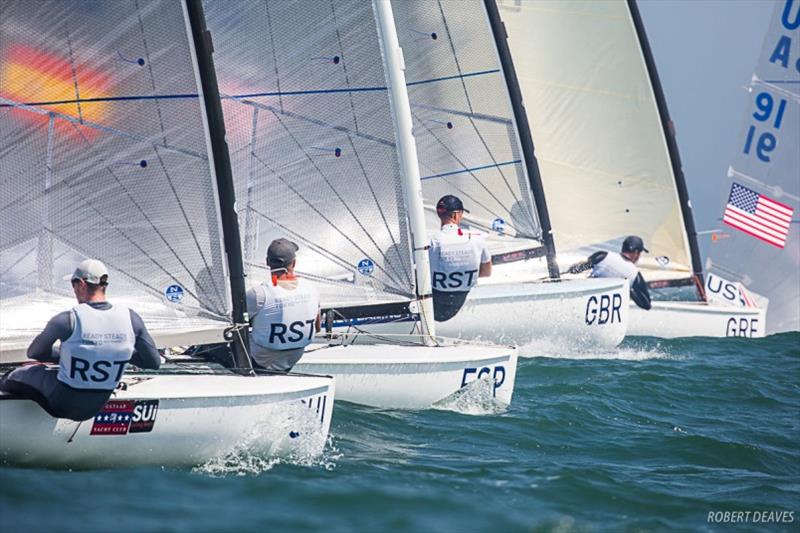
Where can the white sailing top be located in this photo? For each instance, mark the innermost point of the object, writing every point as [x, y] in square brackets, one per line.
[283, 315]
[614, 266]
[456, 256]
[101, 344]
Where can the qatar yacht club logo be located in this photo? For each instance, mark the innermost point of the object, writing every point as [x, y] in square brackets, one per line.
[120, 417]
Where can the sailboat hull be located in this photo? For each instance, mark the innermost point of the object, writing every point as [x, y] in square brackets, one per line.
[175, 420]
[590, 313]
[516, 307]
[413, 377]
[696, 319]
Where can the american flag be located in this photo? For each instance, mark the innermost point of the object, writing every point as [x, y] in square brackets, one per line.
[757, 215]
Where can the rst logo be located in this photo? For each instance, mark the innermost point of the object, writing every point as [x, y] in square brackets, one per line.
[603, 310]
[497, 373]
[741, 327]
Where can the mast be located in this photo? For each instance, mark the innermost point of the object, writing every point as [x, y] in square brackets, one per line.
[672, 146]
[214, 121]
[407, 151]
[521, 118]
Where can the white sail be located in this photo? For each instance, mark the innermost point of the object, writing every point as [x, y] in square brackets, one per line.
[759, 245]
[103, 154]
[109, 148]
[322, 153]
[312, 144]
[604, 154]
[463, 122]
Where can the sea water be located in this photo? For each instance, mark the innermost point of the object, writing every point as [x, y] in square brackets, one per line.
[689, 434]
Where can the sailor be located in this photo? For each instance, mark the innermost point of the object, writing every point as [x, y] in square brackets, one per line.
[98, 340]
[284, 312]
[458, 258]
[621, 265]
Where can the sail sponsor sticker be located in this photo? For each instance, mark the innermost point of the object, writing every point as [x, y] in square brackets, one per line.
[120, 417]
[721, 290]
[174, 293]
[499, 226]
[366, 267]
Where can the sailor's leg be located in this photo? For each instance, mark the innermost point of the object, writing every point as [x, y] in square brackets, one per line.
[32, 382]
[278, 360]
[446, 304]
[40, 384]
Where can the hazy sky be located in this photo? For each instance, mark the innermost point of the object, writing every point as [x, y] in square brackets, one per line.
[706, 52]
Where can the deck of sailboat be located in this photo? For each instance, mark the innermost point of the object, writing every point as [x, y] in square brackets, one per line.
[401, 352]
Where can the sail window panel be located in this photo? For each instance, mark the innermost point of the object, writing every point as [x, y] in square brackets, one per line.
[463, 122]
[599, 141]
[105, 142]
[312, 144]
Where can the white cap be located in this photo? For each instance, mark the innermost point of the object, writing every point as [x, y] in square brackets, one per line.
[92, 271]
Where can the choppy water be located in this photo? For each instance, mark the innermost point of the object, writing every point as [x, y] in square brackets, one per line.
[653, 436]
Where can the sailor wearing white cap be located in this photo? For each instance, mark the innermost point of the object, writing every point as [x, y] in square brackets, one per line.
[284, 312]
[97, 339]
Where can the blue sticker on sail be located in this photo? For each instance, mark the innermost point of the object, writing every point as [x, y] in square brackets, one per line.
[174, 293]
[366, 267]
[499, 225]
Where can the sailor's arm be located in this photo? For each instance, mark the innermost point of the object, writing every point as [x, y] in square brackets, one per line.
[42, 347]
[639, 292]
[145, 353]
[590, 262]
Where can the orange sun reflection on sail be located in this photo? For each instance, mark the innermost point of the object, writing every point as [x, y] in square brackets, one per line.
[49, 83]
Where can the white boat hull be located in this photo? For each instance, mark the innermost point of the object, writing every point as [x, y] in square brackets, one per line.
[175, 420]
[412, 377]
[586, 313]
[696, 319]
[575, 313]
